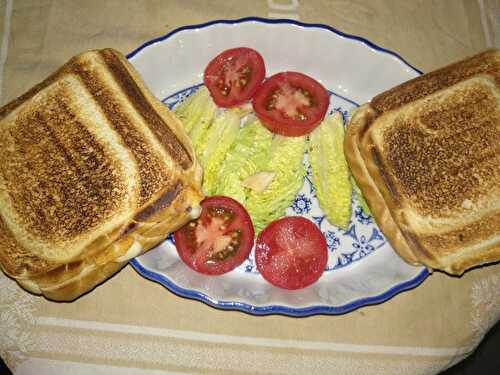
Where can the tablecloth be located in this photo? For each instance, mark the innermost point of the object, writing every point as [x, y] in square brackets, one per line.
[130, 325]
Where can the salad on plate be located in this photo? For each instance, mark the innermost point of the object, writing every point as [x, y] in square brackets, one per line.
[255, 138]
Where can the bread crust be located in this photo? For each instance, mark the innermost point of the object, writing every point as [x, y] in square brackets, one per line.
[69, 282]
[453, 248]
[358, 125]
[486, 62]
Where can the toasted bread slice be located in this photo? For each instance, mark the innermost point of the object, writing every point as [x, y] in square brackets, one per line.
[89, 157]
[66, 179]
[428, 163]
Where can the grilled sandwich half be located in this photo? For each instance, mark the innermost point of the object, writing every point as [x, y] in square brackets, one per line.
[426, 155]
[94, 170]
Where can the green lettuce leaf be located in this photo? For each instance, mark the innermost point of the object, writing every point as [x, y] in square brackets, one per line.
[247, 154]
[330, 172]
[197, 109]
[215, 146]
[285, 159]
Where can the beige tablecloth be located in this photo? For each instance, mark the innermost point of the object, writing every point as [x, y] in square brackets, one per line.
[131, 325]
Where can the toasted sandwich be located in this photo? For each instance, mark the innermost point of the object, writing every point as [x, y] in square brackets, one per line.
[426, 155]
[94, 170]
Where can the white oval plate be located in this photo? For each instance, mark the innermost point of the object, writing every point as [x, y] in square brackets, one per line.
[362, 267]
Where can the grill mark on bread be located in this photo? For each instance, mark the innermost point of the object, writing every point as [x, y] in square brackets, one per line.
[466, 235]
[58, 178]
[162, 202]
[165, 135]
[440, 168]
[153, 174]
[131, 227]
[377, 158]
[462, 111]
[487, 62]
[434, 179]
[416, 245]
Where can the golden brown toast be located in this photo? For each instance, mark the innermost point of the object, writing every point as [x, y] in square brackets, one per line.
[89, 158]
[428, 162]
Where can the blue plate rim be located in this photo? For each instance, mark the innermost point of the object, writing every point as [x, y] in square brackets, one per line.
[276, 309]
[279, 309]
[271, 21]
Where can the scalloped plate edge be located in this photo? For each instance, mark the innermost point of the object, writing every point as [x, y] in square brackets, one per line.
[279, 309]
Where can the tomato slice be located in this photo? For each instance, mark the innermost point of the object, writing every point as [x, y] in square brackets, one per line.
[234, 75]
[291, 103]
[291, 252]
[219, 240]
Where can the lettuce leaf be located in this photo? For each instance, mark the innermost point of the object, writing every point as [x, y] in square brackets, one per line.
[330, 172]
[197, 109]
[216, 144]
[246, 156]
[285, 159]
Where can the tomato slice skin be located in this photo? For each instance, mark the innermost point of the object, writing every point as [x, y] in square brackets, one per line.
[233, 76]
[205, 244]
[291, 253]
[291, 103]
